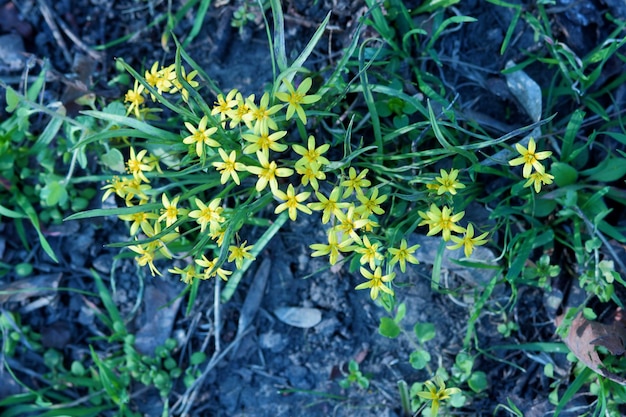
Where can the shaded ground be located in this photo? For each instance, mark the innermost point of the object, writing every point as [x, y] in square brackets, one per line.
[276, 369]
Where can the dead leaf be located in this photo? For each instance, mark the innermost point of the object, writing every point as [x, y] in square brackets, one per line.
[583, 337]
[303, 317]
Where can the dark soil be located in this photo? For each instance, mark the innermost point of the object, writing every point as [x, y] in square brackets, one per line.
[276, 369]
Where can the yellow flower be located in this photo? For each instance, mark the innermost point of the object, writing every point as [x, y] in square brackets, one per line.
[350, 223]
[229, 166]
[292, 202]
[267, 172]
[311, 154]
[261, 115]
[224, 106]
[370, 204]
[355, 182]
[539, 178]
[330, 205]
[436, 395]
[146, 257]
[468, 241]
[239, 253]
[137, 166]
[332, 248]
[447, 182]
[161, 79]
[116, 185]
[441, 221]
[207, 214]
[369, 253]
[139, 220]
[530, 158]
[135, 188]
[310, 174]
[403, 255]
[187, 274]
[376, 282]
[178, 86]
[211, 269]
[296, 98]
[170, 212]
[201, 136]
[264, 142]
[240, 113]
[135, 98]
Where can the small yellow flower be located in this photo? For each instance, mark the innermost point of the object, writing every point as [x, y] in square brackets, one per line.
[377, 282]
[441, 221]
[239, 253]
[292, 202]
[330, 205]
[135, 98]
[263, 141]
[468, 241]
[115, 185]
[310, 174]
[370, 204]
[437, 394]
[240, 113]
[369, 253]
[296, 98]
[403, 254]
[267, 172]
[224, 106]
[539, 178]
[146, 257]
[229, 166]
[447, 182]
[207, 214]
[170, 212]
[311, 154]
[211, 269]
[333, 247]
[161, 79]
[355, 182]
[261, 115]
[139, 220]
[530, 158]
[201, 136]
[350, 223]
[137, 166]
[178, 86]
[187, 274]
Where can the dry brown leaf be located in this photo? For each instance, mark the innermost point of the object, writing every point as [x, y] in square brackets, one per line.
[583, 337]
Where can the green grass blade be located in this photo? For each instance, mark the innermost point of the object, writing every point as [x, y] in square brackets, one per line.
[198, 21]
[30, 212]
[280, 53]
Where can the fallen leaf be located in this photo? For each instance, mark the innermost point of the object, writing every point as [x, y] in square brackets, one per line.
[303, 317]
[583, 337]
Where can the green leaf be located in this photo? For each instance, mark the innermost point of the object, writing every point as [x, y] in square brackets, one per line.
[419, 359]
[54, 193]
[400, 313]
[114, 160]
[573, 126]
[564, 174]
[424, 332]
[388, 328]
[13, 100]
[477, 381]
[611, 169]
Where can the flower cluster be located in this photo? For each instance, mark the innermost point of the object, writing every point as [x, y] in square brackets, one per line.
[443, 220]
[243, 143]
[533, 169]
[239, 139]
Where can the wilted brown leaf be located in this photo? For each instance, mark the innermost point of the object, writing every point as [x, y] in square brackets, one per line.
[583, 337]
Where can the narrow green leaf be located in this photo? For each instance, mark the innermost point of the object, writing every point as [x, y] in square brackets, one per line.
[572, 129]
[30, 212]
